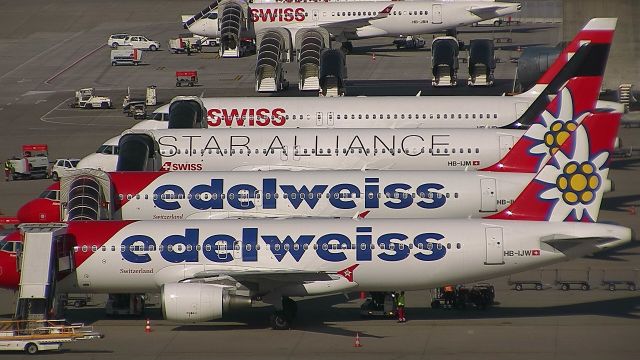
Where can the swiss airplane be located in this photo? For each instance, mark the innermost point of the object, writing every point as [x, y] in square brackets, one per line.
[410, 111]
[348, 21]
[356, 149]
[282, 194]
[203, 268]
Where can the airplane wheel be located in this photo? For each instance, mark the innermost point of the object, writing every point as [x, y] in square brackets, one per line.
[279, 321]
[585, 287]
[632, 287]
[538, 287]
[518, 287]
[565, 287]
[612, 287]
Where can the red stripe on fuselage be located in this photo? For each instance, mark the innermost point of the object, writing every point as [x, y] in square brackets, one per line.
[129, 184]
[90, 233]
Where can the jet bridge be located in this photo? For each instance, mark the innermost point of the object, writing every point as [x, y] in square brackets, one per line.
[309, 45]
[333, 72]
[444, 61]
[482, 62]
[232, 20]
[46, 254]
[273, 51]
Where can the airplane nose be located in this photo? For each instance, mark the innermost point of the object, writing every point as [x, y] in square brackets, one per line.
[39, 211]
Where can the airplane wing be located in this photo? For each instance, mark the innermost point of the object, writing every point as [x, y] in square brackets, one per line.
[485, 11]
[255, 276]
[350, 25]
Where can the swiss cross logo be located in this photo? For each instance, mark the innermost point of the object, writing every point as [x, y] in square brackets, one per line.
[476, 162]
[535, 252]
[348, 272]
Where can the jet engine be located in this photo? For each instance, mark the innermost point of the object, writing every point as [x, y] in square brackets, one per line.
[196, 302]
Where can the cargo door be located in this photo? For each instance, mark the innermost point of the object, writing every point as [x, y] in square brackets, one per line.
[506, 143]
[489, 196]
[437, 13]
[494, 246]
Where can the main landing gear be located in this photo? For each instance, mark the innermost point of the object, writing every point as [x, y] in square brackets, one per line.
[347, 47]
[282, 318]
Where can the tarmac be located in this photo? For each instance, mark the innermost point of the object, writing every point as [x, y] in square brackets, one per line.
[51, 49]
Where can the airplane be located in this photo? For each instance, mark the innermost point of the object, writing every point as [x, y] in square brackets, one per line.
[242, 149]
[203, 268]
[347, 21]
[408, 111]
[283, 194]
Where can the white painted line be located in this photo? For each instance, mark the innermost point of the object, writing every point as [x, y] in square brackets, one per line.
[73, 64]
[40, 54]
[46, 119]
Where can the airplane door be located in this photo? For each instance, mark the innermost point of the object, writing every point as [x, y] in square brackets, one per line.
[330, 119]
[521, 108]
[243, 198]
[437, 14]
[318, 119]
[257, 199]
[506, 143]
[494, 246]
[489, 197]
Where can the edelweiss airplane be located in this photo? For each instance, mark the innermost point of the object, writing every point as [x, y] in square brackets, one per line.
[371, 194]
[344, 149]
[347, 21]
[413, 112]
[203, 268]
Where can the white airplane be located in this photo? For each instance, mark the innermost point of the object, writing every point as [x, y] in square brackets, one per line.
[409, 111]
[347, 21]
[284, 194]
[205, 267]
[356, 149]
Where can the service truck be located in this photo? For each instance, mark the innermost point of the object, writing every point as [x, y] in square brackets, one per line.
[34, 162]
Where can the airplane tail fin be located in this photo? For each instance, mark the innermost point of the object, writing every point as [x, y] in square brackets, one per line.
[552, 127]
[571, 185]
[597, 32]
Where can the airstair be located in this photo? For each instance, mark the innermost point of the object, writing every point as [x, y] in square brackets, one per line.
[233, 15]
[272, 52]
[625, 95]
[444, 61]
[482, 62]
[45, 252]
[332, 73]
[311, 41]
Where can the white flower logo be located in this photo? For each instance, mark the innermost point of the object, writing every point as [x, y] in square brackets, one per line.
[551, 131]
[572, 185]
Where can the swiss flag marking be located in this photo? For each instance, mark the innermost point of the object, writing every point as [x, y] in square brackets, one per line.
[535, 252]
[476, 162]
[348, 272]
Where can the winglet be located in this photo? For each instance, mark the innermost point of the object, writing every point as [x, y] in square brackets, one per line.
[348, 272]
[385, 12]
[571, 185]
[552, 127]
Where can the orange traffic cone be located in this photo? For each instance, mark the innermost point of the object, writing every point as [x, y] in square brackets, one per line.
[373, 56]
[147, 327]
[357, 344]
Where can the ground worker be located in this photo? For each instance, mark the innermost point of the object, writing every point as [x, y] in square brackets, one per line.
[187, 45]
[8, 170]
[400, 306]
[449, 295]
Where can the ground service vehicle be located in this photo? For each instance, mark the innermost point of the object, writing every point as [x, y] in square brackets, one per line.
[123, 304]
[139, 111]
[62, 167]
[33, 163]
[87, 99]
[116, 40]
[32, 336]
[409, 42]
[186, 78]
[141, 42]
[379, 304]
[126, 56]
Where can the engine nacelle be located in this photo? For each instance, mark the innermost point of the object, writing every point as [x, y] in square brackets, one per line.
[196, 302]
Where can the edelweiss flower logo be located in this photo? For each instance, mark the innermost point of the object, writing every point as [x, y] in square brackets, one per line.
[552, 130]
[572, 185]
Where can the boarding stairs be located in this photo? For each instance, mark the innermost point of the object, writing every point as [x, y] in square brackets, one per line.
[232, 20]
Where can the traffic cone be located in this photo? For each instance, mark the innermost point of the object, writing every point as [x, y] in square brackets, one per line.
[147, 327]
[357, 343]
[373, 56]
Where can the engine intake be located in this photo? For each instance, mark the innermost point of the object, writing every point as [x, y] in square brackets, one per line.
[196, 302]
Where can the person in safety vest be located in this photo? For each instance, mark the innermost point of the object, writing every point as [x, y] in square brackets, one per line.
[400, 305]
[449, 296]
[8, 170]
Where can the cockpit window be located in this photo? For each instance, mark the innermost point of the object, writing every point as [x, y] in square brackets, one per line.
[8, 246]
[49, 194]
[108, 150]
[160, 116]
